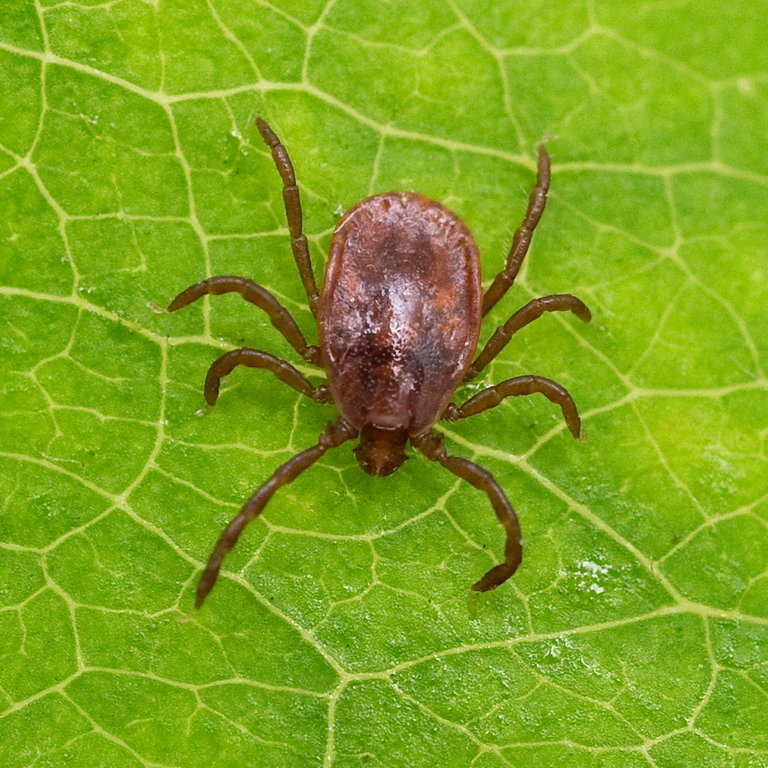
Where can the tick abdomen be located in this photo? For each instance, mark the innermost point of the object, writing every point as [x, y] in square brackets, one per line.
[400, 311]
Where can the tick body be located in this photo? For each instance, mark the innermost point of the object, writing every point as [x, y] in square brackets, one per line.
[398, 321]
[399, 315]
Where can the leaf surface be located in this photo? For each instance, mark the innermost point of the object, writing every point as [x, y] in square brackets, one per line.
[342, 631]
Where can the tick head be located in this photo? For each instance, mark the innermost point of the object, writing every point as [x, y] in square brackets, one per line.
[381, 451]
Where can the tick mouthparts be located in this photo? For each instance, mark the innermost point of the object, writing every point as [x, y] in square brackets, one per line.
[381, 451]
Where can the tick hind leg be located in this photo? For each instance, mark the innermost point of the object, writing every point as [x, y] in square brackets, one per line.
[522, 238]
[333, 435]
[254, 358]
[432, 446]
[253, 293]
[292, 202]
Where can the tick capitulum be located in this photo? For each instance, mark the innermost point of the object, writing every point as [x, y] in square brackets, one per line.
[398, 321]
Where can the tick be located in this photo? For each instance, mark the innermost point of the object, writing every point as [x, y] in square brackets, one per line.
[398, 321]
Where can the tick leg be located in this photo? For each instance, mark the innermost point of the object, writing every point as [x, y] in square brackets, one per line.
[333, 435]
[252, 292]
[254, 358]
[522, 239]
[431, 445]
[292, 202]
[560, 302]
[521, 385]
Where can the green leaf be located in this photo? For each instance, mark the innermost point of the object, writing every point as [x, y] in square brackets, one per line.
[342, 631]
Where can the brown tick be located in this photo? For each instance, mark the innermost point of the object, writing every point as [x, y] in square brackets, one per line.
[398, 321]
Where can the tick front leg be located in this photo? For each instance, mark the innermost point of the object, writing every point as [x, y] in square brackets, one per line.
[432, 446]
[254, 358]
[521, 385]
[292, 202]
[522, 239]
[560, 302]
[333, 435]
[252, 292]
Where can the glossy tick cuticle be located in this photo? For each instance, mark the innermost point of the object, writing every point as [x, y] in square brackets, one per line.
[398, 322]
